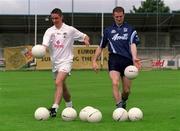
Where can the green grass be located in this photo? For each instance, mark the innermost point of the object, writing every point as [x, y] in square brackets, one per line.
[157, 93]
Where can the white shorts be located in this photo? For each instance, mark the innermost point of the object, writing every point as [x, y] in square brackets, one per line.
[64, 67]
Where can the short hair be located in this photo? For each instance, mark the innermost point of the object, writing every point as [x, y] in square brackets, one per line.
[57, 11]
[118, 9]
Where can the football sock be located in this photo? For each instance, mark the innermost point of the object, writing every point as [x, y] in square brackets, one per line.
[119, 105]
[69, 104]
[56, 106]
[124, 98]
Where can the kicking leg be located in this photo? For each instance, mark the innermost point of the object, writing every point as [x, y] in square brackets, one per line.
[126, 83]
[61, 76]
[115, 76]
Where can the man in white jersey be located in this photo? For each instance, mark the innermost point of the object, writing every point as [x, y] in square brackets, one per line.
[59, 39]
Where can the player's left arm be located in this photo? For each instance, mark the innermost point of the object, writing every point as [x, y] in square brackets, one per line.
[80, 36]
[86, 40]
[134, 40]
[136, 60]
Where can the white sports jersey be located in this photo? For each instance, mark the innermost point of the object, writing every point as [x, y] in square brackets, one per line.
[60, 43]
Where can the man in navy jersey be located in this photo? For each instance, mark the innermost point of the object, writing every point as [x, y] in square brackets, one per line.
[121, 39]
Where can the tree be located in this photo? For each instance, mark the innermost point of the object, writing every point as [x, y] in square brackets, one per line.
[151, 6]
[176, 11]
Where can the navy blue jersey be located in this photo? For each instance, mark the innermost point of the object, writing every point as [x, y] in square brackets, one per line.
[119, 39]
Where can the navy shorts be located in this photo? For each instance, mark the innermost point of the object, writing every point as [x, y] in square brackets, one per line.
[118, 63]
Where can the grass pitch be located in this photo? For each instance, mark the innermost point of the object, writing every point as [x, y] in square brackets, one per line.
[157, 93]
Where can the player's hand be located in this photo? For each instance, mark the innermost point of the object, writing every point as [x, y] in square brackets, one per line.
[86, 41]
[95, 66]
[87, 44]
[137, 63]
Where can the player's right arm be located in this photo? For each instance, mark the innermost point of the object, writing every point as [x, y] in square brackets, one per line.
[96, 56]
[48, 37]
[103, 43]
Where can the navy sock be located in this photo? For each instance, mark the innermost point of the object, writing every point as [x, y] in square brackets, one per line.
[119, 105]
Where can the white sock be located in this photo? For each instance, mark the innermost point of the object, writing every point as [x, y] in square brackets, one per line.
[55, 106]
[69, 104]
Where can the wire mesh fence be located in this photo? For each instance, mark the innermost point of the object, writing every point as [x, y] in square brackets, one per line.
[158, 32]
